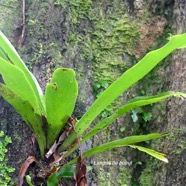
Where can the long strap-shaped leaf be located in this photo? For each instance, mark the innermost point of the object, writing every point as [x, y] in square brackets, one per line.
[7, 51]
[119, 143]
[128, 141]
[61, 94]
[134, 103]
[16, 80]
[157, 155]
[24, 108]
[130, 77]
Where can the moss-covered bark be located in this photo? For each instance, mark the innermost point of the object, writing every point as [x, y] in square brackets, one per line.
[174, 172]
[169, 116]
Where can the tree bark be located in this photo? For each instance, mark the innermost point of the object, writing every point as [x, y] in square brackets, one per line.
[176, 110]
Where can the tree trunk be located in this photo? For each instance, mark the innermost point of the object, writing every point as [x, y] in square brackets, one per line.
[173, 173]
[100, 40]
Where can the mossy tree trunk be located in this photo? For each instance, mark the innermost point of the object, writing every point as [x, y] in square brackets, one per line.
[100, 40]
[174, 172]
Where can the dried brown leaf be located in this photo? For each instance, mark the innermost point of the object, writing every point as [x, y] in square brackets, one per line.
[71, 122]
[81, 173]
[51, 150]
[24, 168]
[55, 145]
[57, 158]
